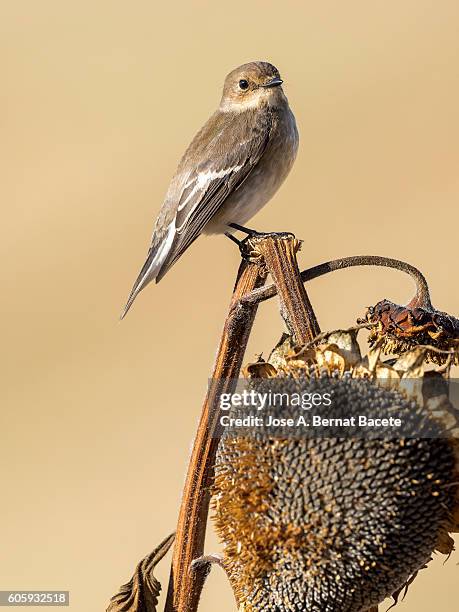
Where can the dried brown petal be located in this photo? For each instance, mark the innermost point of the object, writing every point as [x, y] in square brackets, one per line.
[259, 369]
[337, 350]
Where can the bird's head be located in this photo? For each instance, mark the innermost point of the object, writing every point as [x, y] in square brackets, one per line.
[251, 85]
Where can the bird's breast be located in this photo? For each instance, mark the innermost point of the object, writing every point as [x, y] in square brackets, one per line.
[263, 181]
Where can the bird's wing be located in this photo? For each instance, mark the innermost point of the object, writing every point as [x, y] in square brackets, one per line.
[219, 159]
[224, 165]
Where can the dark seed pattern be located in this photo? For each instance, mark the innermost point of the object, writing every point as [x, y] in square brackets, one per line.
[330, 524]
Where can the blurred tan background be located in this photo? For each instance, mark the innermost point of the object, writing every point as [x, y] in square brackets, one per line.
[99, 100]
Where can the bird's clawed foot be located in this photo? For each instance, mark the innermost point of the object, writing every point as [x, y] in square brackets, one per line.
[247, 246]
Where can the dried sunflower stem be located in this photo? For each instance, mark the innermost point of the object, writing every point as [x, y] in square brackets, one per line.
[421, 299]
[185, 585]
[279, 255]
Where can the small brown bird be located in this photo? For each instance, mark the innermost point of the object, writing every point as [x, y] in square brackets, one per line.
[232, 168]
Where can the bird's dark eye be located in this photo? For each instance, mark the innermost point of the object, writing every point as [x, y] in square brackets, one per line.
[243, 84]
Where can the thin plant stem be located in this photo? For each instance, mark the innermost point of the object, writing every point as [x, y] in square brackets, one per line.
[185, 585]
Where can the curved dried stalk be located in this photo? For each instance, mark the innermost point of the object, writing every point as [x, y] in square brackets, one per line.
[421, 299]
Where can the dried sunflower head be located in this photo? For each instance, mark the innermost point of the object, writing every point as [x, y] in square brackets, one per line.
[400, 328]
[337, 524]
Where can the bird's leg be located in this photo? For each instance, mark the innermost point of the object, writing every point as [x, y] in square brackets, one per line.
[235, 240]
[245, 247]
[253, 233]
[245, 230]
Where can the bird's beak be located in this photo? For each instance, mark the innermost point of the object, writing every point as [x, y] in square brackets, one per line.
[273, 82]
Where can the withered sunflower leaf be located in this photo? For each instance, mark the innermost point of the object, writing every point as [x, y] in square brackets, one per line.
[141, 593]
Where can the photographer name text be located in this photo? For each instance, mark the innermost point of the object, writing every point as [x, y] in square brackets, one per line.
[314, 421]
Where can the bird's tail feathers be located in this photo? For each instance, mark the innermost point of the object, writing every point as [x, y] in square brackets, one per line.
[151, 268]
